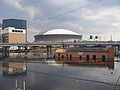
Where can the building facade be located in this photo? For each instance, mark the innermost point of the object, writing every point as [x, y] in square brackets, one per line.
[13, 35]
[14, 31]
[0, 35]
[16, 23]
[85, 55]
[12, 68]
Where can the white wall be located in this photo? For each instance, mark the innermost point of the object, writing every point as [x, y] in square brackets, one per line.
[9, 30]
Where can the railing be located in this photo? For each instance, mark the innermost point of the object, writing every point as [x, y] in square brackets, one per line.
[68, 43]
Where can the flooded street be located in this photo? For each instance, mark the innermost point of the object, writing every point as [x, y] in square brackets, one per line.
[51, 75]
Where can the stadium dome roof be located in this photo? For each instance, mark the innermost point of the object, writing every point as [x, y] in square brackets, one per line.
[59, 31]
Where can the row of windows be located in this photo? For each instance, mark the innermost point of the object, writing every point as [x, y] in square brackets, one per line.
[17, 31]
[87, 57]
[94, 58]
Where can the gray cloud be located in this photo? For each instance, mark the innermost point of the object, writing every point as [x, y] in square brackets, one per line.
[101, 18]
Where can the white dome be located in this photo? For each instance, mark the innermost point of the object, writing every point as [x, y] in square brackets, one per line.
[59, 31]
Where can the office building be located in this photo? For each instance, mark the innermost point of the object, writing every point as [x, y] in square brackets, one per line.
[0, 35]
[12, 35]
[14, 31]
[16, 23]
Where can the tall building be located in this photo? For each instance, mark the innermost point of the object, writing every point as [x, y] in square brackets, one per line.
[0, 34]
[14, 31]
[16, 23]
[13, 35]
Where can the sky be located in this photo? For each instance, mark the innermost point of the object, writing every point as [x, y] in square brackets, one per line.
[101, 18]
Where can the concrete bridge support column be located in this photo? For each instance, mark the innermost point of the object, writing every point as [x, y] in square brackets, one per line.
[0, 49]
[25, 49]
[19, 48]
[6, 49]
[49, 49]
[118, 51]
[5, 55]
[3, 49]
[63, 46]
[118, 48]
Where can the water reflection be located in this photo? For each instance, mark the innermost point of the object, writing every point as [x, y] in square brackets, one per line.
[43, 57]
[24, 56]
[38, 75]
[14, 68]
[109, 65]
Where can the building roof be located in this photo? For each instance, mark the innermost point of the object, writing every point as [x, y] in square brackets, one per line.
[87, 50]
[60, 51]
[59, 31]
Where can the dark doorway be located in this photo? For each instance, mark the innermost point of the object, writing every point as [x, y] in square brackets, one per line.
[58, 54]
[103, 58]
[87, 58]
[62, 56]
[94, 58]
[80, 58]
[66, 56]
[70, 57]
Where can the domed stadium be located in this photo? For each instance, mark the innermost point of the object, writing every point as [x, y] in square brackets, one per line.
[57, 35]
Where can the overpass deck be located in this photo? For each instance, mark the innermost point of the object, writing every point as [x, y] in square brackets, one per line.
[63, 43]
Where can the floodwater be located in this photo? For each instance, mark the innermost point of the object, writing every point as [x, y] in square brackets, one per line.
[49, 75]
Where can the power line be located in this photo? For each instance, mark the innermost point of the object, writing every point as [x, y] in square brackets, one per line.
[66, 12]
[57, 10]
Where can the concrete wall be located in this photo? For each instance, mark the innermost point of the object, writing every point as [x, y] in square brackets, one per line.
[14, 38]
[12, 35]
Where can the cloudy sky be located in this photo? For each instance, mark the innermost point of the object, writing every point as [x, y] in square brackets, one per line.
[101, 18]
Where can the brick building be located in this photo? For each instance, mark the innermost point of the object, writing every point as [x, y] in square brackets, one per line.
[85, 55]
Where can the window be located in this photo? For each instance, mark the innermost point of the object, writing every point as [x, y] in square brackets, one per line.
[58, 54]
[94, 58]
[87, 58]
[62, 56]
[70, 57]
[58, 58]
[66, 56]
[13, 30]
[80, 58]
[103, 58]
